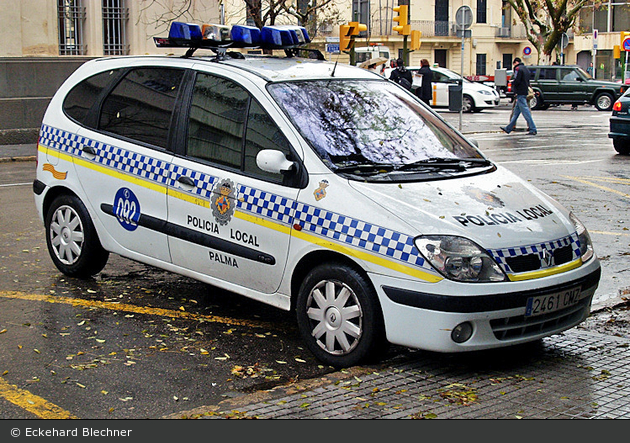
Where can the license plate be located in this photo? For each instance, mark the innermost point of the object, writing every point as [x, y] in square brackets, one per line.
[544, 304]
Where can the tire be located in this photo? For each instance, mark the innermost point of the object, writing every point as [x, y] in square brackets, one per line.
[468, 104]
[604, 101]
[339, 316]
[72, 241]
[536, 102]
[621, 146]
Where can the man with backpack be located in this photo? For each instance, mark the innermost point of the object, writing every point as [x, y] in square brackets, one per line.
[401, 75]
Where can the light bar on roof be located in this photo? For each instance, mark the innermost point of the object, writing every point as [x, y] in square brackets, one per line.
[191, 35]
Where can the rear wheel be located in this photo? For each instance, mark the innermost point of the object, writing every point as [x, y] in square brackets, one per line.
[339, 316]
[622, 146]
[604, 101]
[72, 241]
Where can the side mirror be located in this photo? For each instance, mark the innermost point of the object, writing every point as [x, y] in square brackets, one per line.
[270, 160]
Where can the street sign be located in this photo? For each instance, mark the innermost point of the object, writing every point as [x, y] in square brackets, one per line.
[332, 47]
[564, 40]
[626, 44]
[464, 17]
[527, 50]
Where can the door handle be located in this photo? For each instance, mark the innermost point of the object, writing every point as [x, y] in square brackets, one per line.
[185, 180]
[89, 150]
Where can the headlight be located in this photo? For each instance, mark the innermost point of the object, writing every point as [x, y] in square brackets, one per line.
[586, 246]
[459, 259]
[484, 92]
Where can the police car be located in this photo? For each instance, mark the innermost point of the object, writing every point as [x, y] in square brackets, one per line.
[308, 185]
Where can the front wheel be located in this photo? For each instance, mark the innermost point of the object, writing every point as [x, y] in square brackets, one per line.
[468, 104]
[72, 241]
[339, 316]
[604, 102]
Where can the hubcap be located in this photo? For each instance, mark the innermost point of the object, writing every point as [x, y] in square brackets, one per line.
[66, 235]
[336, 317]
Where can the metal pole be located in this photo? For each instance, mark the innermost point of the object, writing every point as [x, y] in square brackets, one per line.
[462, 81]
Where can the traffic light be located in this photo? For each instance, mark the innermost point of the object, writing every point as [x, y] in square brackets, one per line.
[356, 28]
[616, 51]
[415, 40]
[347, 33]
[345, 39]
[403, 27]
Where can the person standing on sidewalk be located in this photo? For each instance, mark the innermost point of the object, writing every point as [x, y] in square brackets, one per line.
[520, 84]
[426, 90]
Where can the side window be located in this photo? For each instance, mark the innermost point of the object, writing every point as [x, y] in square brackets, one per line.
[228, 127]
[82, 97]
[547, 74]
[532, 73]
[217, 120]
[262, 133]
[140, 107]
[567, 74]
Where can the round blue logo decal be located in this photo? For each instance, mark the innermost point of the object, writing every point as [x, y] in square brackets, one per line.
[127, 209]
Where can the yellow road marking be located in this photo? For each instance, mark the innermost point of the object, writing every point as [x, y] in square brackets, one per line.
[32, 403]
[605, 188]
[125, 307]
[608, 233]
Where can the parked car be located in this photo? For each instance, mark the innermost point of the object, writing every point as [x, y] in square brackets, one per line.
[620, 124]
[566, 84]
[315, 187]
[476, 96]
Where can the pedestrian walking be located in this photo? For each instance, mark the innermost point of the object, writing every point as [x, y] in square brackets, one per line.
[401, 75]
[520, 86]
[425, 92]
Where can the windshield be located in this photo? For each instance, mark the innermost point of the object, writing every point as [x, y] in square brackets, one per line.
[363, 122]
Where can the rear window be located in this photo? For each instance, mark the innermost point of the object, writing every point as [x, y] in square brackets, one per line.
[83, 96]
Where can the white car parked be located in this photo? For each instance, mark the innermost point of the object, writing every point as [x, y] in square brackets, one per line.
[317, 188]
[476, 96]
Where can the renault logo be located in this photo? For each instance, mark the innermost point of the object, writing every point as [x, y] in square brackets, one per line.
[546, 258]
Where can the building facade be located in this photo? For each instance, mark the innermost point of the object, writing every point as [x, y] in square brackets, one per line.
[94, 28]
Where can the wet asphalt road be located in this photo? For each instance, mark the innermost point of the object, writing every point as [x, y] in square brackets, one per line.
[137, 342]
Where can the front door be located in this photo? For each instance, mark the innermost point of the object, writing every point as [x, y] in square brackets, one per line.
[228, 219]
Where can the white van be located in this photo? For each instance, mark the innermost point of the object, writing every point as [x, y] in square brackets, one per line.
[363, 53]
[311, 186]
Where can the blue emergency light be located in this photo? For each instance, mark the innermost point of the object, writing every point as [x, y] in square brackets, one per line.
[185, 31]
[248, 35]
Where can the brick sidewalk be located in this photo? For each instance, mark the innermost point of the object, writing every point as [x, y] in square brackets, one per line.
[578, 374]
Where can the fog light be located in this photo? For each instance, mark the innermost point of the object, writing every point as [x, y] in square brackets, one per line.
[462, 332]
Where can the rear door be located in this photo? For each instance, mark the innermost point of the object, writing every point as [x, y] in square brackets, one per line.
[547, 81]
[124, 162]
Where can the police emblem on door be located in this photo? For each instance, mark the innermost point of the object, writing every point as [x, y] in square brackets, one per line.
[223, 202]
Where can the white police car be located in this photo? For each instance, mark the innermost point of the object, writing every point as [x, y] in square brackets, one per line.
[307, 185]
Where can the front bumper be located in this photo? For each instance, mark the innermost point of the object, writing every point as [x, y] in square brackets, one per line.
[424, 319]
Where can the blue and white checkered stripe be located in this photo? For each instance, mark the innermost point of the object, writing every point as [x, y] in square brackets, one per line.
[360, 234]
[500, 255]
[274, 207]
[333, 226]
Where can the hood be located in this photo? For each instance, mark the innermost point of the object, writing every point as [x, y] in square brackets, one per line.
[496, 210]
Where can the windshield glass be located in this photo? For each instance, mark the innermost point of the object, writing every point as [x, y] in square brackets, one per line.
[368, 122]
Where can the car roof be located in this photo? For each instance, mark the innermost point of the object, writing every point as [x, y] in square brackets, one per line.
[269, 68]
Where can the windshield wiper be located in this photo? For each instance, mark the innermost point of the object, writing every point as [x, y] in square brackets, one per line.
[458, 164]
[365, 168]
